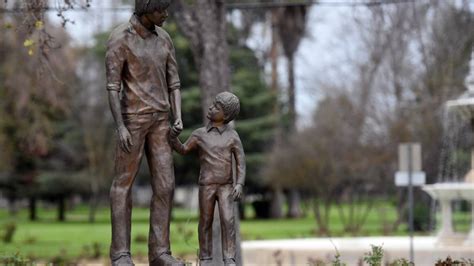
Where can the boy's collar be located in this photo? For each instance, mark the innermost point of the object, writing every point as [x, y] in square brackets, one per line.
[139, 28]
[220, 129]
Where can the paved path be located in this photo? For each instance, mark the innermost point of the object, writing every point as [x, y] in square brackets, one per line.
[303, 251]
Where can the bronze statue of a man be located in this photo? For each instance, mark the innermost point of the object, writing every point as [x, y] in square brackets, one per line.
[143, 87]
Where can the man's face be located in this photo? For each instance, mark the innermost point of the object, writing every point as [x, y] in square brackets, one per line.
[158, 17]
[216, 113]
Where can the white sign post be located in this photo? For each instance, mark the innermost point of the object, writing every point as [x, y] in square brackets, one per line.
[409, 174]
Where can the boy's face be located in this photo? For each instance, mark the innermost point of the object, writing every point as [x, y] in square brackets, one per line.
[216, 113]
[158, 17]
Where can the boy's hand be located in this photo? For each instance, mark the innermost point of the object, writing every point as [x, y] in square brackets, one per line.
[237, 192]
[176, 128]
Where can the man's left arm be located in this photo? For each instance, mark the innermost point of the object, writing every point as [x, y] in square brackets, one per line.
[172, 79]
[175, 99]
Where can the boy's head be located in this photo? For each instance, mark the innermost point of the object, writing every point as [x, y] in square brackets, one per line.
[155, 10]
[228, 103]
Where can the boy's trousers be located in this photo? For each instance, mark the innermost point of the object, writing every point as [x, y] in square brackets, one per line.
[150, 136]
[208, 196]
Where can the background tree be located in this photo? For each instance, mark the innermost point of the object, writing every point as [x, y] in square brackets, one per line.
[405, 69]
[94, 124]
[35, 96]
[291, 28]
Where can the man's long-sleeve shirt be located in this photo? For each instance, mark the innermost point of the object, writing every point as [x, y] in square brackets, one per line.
[216, 146]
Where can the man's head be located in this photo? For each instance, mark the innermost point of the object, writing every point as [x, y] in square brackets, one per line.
[226, 106]
[154, 10]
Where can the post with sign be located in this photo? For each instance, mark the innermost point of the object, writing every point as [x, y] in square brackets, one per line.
[409, 175]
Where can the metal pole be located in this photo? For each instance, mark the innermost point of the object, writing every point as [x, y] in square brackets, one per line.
[410, 200]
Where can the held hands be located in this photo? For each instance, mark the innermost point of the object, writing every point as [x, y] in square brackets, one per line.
[176, 128]
[125, 139]
[237, 192]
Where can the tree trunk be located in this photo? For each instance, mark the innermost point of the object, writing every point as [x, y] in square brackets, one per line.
[92, 208]
[205, 25]
[12, 206]
[94, 199]
[274, 59]
[32, 208]
[276, 205]
[294, 204]
[291, 95]
[61, 209]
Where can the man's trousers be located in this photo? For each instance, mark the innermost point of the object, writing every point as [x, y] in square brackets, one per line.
[150, 135]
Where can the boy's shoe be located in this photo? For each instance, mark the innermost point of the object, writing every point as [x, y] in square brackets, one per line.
[166, 260]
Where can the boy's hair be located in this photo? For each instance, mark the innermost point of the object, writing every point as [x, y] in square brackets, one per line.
[149, 6]
[230, 105]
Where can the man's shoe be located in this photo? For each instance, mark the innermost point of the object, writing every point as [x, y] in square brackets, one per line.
[229, 262]
[166, 260]
[124, 260]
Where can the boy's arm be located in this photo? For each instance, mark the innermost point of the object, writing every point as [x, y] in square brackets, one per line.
[185, 148]
[239, 156]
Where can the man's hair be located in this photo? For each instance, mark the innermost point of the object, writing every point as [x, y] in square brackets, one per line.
[149, 6]
[230, 105]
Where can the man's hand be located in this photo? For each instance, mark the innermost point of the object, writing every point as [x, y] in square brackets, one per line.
[125, 139]
[237, 192]
[176, 128]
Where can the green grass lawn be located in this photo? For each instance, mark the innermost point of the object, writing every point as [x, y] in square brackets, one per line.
[47, 238]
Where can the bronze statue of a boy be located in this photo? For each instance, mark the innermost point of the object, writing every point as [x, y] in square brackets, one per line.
[217, 144]
[143, 87]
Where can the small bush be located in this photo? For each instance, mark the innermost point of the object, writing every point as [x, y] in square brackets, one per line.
[315, 262]
[337, 260]
[9, 231]
[93, 251]
[61, 259]
[187, 234]
[450, 262]
[140, 238]
[402, 262]
[374, 258]
[14, 260]
[421, 218]
[30, 240]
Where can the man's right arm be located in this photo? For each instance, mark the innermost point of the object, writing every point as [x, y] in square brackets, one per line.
[114, 61]
[124, 135]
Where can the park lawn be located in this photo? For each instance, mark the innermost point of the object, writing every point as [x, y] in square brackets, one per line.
[47, 238]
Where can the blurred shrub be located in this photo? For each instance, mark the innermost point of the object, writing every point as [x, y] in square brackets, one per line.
[374, 258]
[30, 240]
[141, 238]
[447, 262]
[185, 232]
[421, 218]
[8, 232]
[401, 262]
[14, 260]
[61, 259]
[93, 251]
